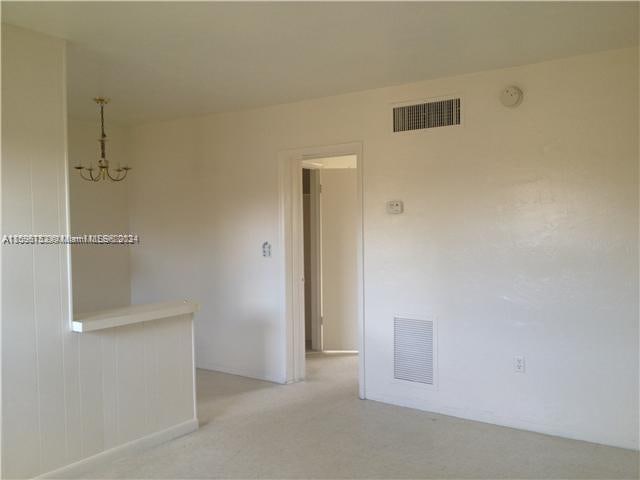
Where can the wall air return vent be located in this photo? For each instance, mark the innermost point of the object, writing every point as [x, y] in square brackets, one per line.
[441, 113]
[413, 350]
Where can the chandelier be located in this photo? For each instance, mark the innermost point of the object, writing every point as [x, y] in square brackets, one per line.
[104, 171]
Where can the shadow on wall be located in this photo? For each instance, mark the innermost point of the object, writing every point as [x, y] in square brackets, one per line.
[219, 392]
[220, 387]
[251, 335]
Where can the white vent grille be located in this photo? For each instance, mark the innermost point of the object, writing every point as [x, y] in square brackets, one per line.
[413, 350]
[442, 113]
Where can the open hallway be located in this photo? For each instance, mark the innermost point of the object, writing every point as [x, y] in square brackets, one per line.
[320, 429]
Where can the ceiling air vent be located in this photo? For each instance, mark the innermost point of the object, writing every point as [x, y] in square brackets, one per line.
[442, 113]
[413, 350]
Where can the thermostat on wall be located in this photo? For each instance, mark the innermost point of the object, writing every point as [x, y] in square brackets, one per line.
[395, 206]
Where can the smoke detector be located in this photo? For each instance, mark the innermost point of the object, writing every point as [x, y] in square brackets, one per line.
[511, 96]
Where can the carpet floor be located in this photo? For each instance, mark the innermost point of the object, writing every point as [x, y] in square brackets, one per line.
[320, 429]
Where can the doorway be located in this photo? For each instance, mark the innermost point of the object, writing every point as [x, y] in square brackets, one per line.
[330, 210]
[312, 219]
[323, 295]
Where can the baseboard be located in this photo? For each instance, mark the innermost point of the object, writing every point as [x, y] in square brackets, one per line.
[518, 424]
[334, 352]
[151, 440]
[241, 372]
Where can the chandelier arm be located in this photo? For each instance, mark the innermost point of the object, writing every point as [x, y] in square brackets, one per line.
[117, 178]
[89, 178]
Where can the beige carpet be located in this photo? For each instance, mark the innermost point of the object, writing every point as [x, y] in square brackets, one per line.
[319, 429]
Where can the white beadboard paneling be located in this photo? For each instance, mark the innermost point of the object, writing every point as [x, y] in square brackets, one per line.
[50, 362]
[79, 469]
[73, 396]
[153, 373]
[33, 110]
[132, 382]
[91, 391]
[188, 374]
[20, 412]
[173, 347]
[110, 386]
[65, 396]
[47, 201]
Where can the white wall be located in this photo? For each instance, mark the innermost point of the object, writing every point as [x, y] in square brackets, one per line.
[66, 396]
[339, 258]
[520, 237]
[100, 272]
[35, 305]
[201, 240]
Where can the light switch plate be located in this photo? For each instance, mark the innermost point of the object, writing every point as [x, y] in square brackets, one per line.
[518, 364]
[395, 207]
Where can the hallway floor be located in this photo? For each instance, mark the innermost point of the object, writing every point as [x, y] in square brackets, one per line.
[319, 429]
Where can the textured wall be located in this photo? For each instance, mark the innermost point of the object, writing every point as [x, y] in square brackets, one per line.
[519, 237]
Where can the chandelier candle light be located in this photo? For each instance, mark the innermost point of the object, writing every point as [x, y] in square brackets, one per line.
[104, 172]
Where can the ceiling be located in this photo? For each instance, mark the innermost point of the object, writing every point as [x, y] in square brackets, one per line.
[162, 60]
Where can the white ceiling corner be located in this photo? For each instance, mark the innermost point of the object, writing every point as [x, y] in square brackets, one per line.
[163, 60]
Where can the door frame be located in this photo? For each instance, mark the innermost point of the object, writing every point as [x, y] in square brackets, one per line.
[292, 231]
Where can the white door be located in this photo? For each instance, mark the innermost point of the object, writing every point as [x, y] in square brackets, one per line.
[339, 259]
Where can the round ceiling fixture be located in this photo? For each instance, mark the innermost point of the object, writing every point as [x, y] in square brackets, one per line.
[511, 96]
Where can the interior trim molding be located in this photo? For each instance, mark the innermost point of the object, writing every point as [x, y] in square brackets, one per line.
[291, 237]
[556, 430]
[79, 467]
[243, 372]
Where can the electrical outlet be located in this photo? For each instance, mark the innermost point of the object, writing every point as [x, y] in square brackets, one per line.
[518, 364]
